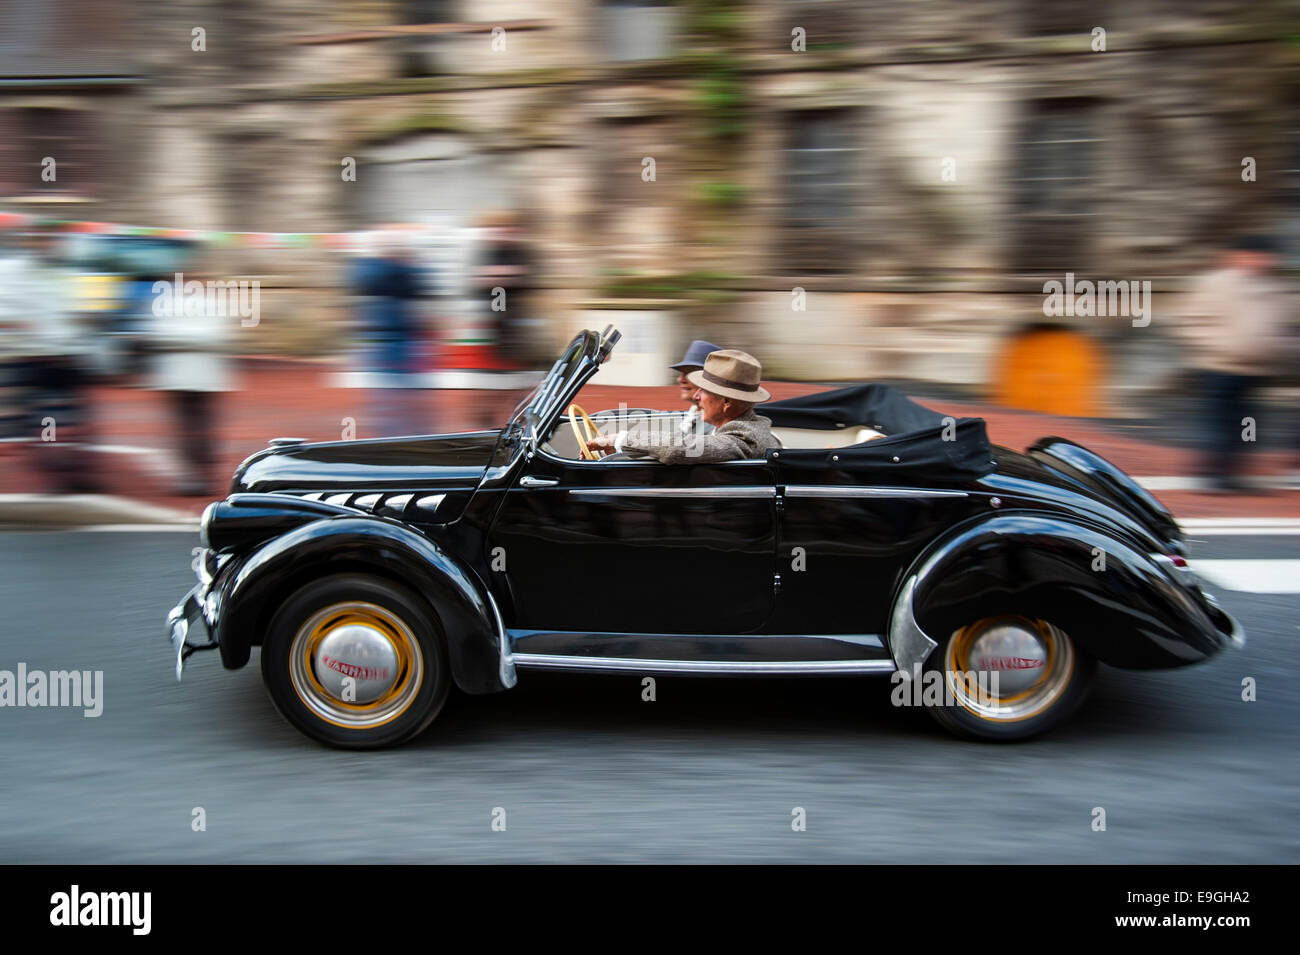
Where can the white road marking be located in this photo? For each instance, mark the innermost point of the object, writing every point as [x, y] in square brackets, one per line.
[1240, 526]
[1252, 576]
[1181, 483]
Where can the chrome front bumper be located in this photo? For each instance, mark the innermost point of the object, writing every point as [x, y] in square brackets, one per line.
[194, 607]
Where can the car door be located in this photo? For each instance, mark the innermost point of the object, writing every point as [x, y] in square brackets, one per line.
[636, 548]
[846, 538]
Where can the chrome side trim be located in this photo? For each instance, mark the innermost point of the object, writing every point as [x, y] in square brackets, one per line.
[742, 492]
[550, 661]
[821, 490]
[909, 644]
[506, 666]
[366, 500]
[430, 502]
[398, 502]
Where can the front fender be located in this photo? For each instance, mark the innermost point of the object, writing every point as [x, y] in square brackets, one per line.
[258, 584]
[1115, 602]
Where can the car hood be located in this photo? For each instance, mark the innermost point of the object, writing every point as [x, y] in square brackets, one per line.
[428, 463]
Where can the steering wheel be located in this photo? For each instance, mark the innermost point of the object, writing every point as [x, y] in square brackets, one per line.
[584, 450]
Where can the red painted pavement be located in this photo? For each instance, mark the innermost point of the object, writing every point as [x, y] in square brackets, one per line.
[296, 398]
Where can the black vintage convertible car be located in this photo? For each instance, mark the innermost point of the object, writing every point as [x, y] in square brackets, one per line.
[880, 538]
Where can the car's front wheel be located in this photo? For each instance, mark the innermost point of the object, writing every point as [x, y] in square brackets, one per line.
[356, 662]
[1008, 678]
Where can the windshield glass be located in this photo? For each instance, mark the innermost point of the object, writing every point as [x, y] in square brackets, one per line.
[539, 402]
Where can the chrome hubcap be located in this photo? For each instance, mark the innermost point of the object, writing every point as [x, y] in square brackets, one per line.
[1023, 666]
[358, 653]
[356, 664]
[1014, 652]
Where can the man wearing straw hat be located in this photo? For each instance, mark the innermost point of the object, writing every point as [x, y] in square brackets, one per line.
[727, 388]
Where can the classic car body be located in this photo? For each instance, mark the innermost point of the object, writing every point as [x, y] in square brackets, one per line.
[881, 538]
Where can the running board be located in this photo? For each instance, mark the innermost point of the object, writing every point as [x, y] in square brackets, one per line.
[552, 661]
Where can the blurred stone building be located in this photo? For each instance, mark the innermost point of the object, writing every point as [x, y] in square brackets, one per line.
[916, 168]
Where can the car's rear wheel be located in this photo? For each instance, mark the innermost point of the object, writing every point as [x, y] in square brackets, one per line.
[356, 662]
[1008, 677]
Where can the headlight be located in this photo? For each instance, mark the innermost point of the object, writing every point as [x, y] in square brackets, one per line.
[204, 522]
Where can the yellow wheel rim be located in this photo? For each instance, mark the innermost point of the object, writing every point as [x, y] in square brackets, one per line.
[356, 665]
[1033, 658]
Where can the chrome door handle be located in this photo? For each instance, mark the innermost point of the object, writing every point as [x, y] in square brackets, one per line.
[529, 481]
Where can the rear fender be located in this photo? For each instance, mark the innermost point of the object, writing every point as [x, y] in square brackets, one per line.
[257, 585]
[1093, 471]
[1116, 603]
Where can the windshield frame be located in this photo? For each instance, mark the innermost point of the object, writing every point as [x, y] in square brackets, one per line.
[571, 370]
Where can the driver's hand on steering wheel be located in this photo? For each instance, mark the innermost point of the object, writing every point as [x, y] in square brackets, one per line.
[603, 442]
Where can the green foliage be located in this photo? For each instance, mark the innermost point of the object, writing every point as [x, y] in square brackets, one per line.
[700, 286]
[724, 194]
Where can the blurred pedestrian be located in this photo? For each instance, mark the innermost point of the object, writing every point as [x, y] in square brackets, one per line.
[190, 334]
[390, 286]
[1235, 322]
[505, 276]
[53, 372]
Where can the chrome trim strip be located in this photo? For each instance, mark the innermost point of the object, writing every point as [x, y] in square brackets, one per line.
[341, 499]
[506, 665]
[398, 502]
[909, 644]
[366, 501]
[430, 502]
[741, 492]
[821, 490]
[551, 661]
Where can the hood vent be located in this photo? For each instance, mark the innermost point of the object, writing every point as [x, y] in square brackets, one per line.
[393, 505]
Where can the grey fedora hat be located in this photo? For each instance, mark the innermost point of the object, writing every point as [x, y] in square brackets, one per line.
[696, 352]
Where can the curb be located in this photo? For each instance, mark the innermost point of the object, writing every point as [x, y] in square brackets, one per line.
[79, 510]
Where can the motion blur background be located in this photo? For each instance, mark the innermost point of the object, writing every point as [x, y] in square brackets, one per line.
[918, 169]
[911, 172]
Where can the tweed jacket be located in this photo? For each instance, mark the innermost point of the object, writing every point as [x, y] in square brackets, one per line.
[748, 436]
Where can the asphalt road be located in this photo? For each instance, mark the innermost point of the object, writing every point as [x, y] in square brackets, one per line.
[586, 771]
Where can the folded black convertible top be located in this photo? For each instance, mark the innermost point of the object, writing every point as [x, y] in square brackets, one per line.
[919, 443]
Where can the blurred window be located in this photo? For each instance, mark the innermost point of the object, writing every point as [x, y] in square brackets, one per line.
[1055, 200]
[1291, 183]
[638, 29]
[57, 38]
[426, 55]
[830, 24]
[821, 189]
[632, 215]
[29, 134]
[1060, 17]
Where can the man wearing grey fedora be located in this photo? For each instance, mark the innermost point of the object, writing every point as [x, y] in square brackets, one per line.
[693, 360]
[726, 390]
